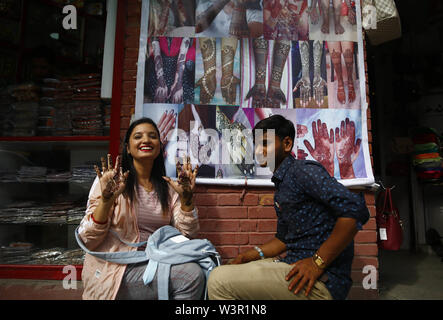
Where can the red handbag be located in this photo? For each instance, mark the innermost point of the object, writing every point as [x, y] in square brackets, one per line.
[390, 232]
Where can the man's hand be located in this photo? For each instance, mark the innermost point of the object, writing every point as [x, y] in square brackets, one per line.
[304, 273]
[237, 260]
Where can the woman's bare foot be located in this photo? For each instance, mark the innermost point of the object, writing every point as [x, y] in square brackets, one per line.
[325, 26]
[339, 28]
[313, 14]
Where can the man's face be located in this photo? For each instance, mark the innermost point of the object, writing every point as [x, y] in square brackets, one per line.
[270, 149]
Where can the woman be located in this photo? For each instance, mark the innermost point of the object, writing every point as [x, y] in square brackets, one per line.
[134, 200]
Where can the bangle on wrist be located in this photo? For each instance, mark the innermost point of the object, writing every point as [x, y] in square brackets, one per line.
[92, 217]
[260, 252]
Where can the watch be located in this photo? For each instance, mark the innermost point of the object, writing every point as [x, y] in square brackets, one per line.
[319, 261]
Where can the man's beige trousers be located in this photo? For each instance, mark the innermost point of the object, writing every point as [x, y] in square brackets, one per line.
[259, 280]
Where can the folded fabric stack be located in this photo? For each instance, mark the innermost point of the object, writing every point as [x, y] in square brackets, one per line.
[75, 215]
[83, 174]
[57, 256]
[64, 176]
[56, 212]
[427, 159]
[16, 253]
[86, 118]
[50, 95]
[8, 176]
[19, 119]
[85, 106]
[5, 107]
[32, 174]
[71, 106]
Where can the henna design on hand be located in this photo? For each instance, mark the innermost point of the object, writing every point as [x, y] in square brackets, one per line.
[275, 95]
[112, 180]
[164, 16]
[229, 82]
[319, 83]
[324, 145]
[348, 55]
[347, 148]
[161, 92]
[258, 91]
[304, 84]
[208, 82]
[176, 94]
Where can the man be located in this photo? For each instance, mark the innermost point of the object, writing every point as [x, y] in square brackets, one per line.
[317, 221]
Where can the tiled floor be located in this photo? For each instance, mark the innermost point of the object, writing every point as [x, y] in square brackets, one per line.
[410, 276]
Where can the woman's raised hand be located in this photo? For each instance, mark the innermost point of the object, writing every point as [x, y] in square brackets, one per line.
[112, 179]
[185, 183]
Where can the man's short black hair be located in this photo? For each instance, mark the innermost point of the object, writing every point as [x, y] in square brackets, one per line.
[282, 126]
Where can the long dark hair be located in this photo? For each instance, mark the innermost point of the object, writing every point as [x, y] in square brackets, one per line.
[158, 169]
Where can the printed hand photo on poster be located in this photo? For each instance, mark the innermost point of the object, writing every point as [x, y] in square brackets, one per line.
[171, 18]
[333, 138]
[286, 19]
[229, 18]
[217, 72]
[198, 138]
[266, 78]
[309, 74]
[234, 125]
[332, 20]
[165, 116]
[343, 76]
[169, 71]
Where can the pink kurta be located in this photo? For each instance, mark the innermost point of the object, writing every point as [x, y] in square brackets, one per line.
[101, 279]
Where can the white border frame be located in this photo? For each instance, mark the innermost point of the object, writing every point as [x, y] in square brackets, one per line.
[359, 183]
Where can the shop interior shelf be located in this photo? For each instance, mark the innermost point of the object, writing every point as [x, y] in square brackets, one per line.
[55, 138]
[36, 272]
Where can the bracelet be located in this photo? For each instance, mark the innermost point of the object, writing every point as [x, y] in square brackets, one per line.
[92, 216]
[260, 252]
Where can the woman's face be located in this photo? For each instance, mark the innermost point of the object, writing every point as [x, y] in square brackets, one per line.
[144, 142]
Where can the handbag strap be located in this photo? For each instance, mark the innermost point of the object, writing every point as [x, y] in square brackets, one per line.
[385, 198]
[393, 208]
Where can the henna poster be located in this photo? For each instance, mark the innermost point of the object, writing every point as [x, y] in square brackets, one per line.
[209, 70]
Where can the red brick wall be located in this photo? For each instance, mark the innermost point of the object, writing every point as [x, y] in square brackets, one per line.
[233, 224]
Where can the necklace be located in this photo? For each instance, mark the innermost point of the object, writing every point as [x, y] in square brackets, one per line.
[147, 187]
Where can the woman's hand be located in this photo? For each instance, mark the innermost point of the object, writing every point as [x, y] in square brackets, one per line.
[112, 180]
[185, 183]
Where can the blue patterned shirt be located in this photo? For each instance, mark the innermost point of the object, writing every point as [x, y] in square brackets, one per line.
[308, 202]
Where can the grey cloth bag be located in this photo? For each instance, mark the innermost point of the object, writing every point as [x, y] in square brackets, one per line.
[165, 247]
